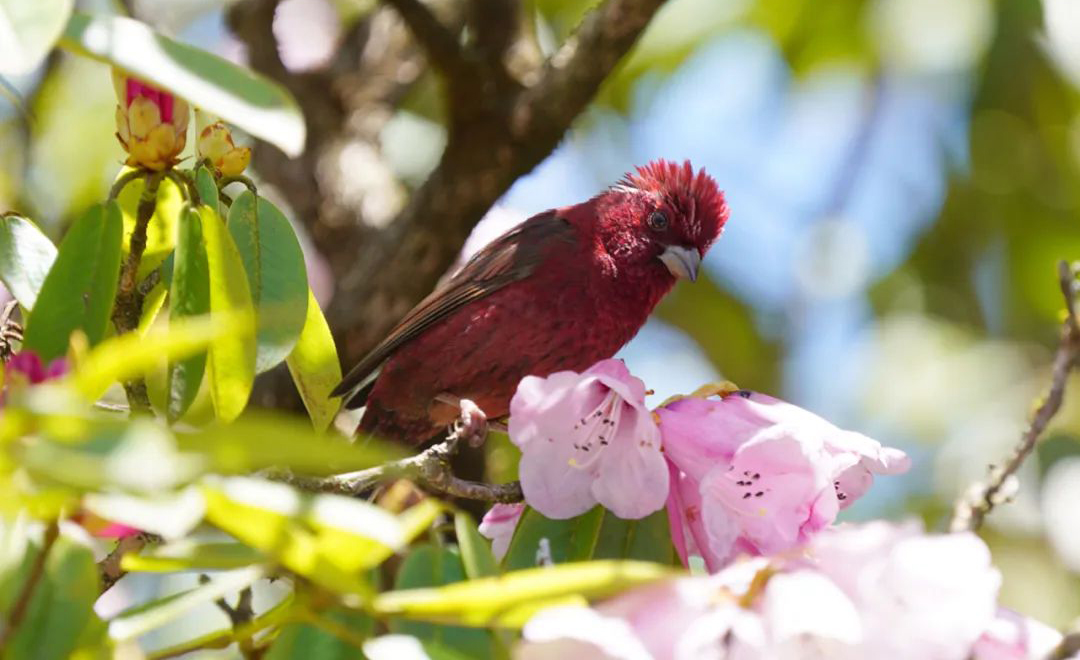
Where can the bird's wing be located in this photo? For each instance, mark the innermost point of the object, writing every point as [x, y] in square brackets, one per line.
[509, 258]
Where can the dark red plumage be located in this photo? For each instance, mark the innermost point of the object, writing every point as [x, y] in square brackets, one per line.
[562, 290]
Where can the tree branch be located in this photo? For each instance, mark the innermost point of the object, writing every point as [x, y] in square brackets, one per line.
[129, 299]
[444, 52]
[22, 602]
[980, 498]
[430, 468]
[109, 567]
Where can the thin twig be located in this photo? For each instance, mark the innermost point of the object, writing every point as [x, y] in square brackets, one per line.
[128, 307]
[980, 498]
[109, 567]
[122, 182]
[22, 602]
[1067, 648]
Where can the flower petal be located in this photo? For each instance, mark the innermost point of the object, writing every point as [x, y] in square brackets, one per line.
[633, 476]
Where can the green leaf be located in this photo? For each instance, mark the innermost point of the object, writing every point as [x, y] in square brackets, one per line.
[647, 539]
[129, 356]
[79, 290]
[26, 255]
[189, 555]
[307, 641]
[189, 296]
[232, 357]
[563, 540]
[315, 367]
[250, 101]
[206, 186]
[62, 605]
[475, 549]
[430, 566]
[276, 274]
[329, 539]
[145, 618]
[259, 441]
[509, 600]
[28, 31]
[152, 304]
[597, 534]
[161, 230]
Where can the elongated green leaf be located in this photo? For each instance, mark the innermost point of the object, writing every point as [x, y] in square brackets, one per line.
[429, 566]
[329, 539]
[26, 255]
[232, 357]
[79, 290]
[505, 600]
[61, 608]
[152, 304]
[161, 230]
[475, 550]
[248, 100]
[144, 619]
[315, 367]
[275, 267]
[128, 356]
[259, 441]
[647, 539]
[188, 555]
[206, 186]
[28, 31]
[307, 641]
[189, 296]
[558, 541]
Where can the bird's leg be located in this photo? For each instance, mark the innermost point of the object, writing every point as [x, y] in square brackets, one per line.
[471, 424]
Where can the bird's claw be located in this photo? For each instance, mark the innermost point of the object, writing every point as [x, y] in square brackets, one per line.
[472, 423]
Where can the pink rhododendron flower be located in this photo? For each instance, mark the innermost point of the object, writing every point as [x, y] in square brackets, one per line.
[1013, 636]
[871, 591]
[28, 367]
[755, 475]
[587, 438]
[499, 524]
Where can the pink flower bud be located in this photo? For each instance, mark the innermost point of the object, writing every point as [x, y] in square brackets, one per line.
[151, 123]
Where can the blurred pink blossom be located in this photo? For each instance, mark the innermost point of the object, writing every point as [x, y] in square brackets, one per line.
[587, 438]
[29, 367]
[870, 591]
[1013, 636]
[499, 524]
[752, 474]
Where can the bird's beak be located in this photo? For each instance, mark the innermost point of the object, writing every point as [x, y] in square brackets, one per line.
[681, 261]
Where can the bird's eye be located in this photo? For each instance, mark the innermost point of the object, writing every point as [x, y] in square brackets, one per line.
[658, 221]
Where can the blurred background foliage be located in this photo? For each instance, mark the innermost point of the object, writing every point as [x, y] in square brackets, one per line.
[902, 174]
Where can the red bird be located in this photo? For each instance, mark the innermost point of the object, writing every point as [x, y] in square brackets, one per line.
[562, 290]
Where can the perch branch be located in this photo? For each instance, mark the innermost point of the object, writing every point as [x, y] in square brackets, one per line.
[444, 52]
[109, 567]
[981, 497]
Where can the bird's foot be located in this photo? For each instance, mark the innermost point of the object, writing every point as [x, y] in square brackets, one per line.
[471, 425]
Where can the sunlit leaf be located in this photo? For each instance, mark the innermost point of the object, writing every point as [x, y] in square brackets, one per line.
[475, 549]
[504, 600]
[315, 367]
[276, 274]
[189, 295]
[248, 100]
[189, 555]
[144, 619]
[152, 304]
[28, 30]
[430, 566]
[128, 356]
[232, 357]
[26, 255]
[206, 186]
[258, 441]
[79, 290]
[171, 515]
[161, 230]
[329, 539]
[307, 641]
